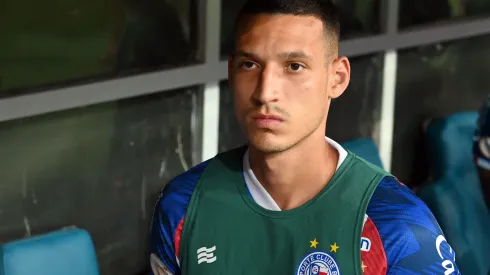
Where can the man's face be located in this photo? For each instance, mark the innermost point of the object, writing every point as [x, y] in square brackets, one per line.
[283, 79]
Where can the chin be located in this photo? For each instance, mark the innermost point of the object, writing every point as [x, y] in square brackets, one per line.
[268, 143]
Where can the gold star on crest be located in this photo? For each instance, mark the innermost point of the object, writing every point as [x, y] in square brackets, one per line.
[334, 248]
[314, 243]
[363, 267]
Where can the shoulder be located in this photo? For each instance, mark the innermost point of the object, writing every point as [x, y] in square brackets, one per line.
[411, 237]
[176, 195]
[174, 199]
[169, 214]
[392, 199]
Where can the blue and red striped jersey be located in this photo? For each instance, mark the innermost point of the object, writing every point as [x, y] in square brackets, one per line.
[400, 234]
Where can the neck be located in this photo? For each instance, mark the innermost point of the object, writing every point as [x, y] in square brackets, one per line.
[295, 176]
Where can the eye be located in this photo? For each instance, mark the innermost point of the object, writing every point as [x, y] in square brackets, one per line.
[247, 65]
[295, 67]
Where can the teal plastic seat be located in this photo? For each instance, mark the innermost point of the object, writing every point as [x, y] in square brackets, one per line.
[68, 251]
[365, 148]
[454, 195]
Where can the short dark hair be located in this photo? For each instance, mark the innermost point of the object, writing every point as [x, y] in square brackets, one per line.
[324, 10]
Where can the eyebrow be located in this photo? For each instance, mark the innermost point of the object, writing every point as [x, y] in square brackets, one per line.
[245, 54]
[285, 55]
[295, 55]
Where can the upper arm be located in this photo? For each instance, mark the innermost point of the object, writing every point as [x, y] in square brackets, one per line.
[162, 245]
[412, 239]
[168, 221]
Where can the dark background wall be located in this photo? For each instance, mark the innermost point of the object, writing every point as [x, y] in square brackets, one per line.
[100, 168]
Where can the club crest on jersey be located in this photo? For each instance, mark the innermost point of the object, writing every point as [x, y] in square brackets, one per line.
[318, 263]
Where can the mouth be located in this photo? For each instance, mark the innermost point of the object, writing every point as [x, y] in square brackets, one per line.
[267, 121]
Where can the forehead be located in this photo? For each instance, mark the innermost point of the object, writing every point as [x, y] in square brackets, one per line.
[271, 33]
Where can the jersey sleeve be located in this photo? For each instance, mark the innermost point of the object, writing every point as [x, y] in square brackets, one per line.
[168, 221]
[412, 239]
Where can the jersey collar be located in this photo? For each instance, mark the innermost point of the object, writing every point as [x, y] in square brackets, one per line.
[258, 192]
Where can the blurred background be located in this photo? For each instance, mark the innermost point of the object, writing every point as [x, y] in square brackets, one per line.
[104, 101]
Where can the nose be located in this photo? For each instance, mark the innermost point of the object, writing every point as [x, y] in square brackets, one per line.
[267, 90]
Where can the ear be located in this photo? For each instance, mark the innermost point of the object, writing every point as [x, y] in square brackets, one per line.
[339, 76]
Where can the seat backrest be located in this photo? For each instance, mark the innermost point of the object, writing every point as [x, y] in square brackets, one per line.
[450, 142]
[455, 197]
[67, 251]
[365, 148]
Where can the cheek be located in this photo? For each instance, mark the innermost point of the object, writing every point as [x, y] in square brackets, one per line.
[243, 87]
[241, 98]
[310, 97]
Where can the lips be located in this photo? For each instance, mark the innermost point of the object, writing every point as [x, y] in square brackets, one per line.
[267, 117]
[267, 121]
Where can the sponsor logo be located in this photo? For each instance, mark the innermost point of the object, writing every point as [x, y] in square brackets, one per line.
[206, 255]
[448, 265]
[365, 244]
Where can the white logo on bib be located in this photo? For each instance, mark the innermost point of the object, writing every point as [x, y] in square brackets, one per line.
[205, 255]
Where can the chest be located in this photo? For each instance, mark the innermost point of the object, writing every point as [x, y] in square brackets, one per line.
[226, 232]
[254, 244]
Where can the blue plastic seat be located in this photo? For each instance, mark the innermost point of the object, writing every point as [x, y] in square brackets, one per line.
[365, 148]
[68, 251]
[455, 195]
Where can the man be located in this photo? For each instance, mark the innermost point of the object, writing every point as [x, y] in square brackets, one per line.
[292, 201]
[481, 149]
